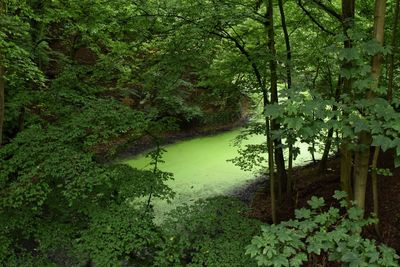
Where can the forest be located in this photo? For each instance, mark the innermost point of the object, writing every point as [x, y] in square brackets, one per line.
[221, 133]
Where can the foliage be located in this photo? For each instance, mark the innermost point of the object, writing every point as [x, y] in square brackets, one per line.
[252, 157]
[120, 234]
[85, 77]
[212, 232]
[318, 231]
[53, 186]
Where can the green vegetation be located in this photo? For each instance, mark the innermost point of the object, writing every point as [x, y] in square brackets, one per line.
[81, 81]
[213, 232]
[315, 232]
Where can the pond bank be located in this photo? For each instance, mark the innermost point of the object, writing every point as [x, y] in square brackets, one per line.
[248, 190]
[146, 143]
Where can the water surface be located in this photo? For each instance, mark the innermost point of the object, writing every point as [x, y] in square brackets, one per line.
[201, 169]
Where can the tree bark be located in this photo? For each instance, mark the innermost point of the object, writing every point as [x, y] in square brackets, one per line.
[287, 44]
[271, 170]
[379, 33]
[2, 85]
[361, 166]
[394, 50]
[329, 138]
[2, 99]
[374, 176]
[362, 159]
[348, 10]
[279, 159]
[288, 66]
[346, 164]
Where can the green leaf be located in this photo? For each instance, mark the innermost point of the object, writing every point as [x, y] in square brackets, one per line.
[349, 257]
[397, 162]
[316, 202]
[340, 195]
[298, 260]
[302, 213]
[355, 213]
[382, 141]
[280, 260]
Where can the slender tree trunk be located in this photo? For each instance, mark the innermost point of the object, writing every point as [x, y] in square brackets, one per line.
[290, 182]
[2, 84]
[362, 158]
[279, 159]
[271, 163]
[2, 99]
[314, 81]
[361, 166]
[346, 164]
[287, 44]
[394, 50]
[327, 148]
[270, 146]
[329, 138]
[375, 194]
[271, 168]
[288, 66]
[379, 31]
[348, 9]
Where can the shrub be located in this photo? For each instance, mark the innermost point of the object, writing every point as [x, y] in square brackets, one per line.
[316, 232]
[212, 232]
[120, 234]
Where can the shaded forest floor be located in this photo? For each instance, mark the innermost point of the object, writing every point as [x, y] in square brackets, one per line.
[309, 182]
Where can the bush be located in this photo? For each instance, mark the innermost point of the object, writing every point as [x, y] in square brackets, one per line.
[212, 232]
[120, 234]
[315, 232]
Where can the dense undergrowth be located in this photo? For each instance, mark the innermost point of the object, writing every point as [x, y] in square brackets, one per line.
[80, 79]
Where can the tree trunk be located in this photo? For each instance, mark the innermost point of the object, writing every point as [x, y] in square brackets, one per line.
[290, 182]
[329, 138]
[271, 164]
[394, 50]
[288, 66]
[2, 85]
[271, 168]
[379, 32]
[348, 9]
[287, 44]
[346, 164]
[327, 148]
[362, 158]
[279, 159]
[375, 194]
[2, 100]
[361, 166]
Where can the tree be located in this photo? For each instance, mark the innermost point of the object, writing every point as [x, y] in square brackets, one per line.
[2, 102]
[362, 157]
[394, 51]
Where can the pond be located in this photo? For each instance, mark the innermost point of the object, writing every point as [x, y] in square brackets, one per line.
[201, 169]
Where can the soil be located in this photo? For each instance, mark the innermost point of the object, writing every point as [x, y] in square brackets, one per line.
[310, 182]
[146, 142]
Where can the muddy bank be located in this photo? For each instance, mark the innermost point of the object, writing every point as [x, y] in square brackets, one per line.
[147, 142]
[247, 191]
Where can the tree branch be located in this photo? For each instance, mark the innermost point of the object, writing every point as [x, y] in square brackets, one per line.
[328, 10]
[300, 4]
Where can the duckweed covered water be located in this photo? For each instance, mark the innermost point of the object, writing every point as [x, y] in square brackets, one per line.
[201, 169]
